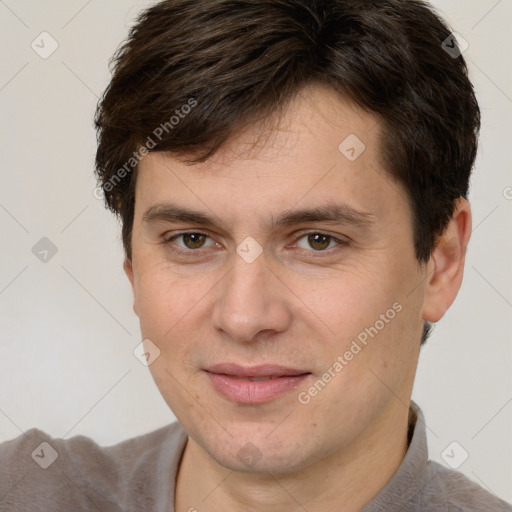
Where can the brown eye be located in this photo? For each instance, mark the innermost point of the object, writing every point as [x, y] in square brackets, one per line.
[189, 242]
[193, 240]
[319, 241]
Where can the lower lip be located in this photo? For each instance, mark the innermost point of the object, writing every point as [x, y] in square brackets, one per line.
[254, 392]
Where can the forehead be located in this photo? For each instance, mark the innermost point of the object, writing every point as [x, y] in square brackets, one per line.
[322, 149]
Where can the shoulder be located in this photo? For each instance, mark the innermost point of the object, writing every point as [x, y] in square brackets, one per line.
[38, 471]
[451, 490]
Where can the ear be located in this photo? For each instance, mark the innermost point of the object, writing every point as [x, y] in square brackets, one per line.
[446, 265]
[128, 270]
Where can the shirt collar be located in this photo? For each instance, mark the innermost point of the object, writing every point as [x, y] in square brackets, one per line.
[408, 481]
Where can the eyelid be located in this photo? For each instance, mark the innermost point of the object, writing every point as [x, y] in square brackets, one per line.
[168, 243]
[340, 239]
[337, 236]
[176, 234]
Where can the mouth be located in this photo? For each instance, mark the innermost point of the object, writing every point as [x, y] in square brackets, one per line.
[255, 384]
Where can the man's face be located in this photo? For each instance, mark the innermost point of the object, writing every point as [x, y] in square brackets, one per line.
[251, 289]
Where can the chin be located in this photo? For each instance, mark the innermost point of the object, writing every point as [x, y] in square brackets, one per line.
[263, 460]
[257, 450]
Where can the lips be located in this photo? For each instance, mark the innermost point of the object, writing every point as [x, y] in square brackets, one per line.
[255, 384]
[263, 371]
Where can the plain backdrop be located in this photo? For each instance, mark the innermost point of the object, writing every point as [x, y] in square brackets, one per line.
[67, 325]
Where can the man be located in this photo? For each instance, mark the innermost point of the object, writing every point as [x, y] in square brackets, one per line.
[291, 177]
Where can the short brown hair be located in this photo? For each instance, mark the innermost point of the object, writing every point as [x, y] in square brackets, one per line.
[240, 61]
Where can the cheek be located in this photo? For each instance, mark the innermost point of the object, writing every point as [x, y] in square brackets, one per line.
[169, 311]
[174, 314]
[373, 320]
[163, 297]
[348, 300]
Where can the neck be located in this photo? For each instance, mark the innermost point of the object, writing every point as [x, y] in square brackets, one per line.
[352, 476]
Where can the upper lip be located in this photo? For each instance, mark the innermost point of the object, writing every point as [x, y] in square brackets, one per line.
[263, 370]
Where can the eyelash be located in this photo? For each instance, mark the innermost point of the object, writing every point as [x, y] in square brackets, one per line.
[188, 252]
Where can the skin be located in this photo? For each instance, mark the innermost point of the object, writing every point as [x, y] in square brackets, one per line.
[296, 305]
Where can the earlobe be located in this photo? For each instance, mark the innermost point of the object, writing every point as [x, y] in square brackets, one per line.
[446, 265]
[128, 270]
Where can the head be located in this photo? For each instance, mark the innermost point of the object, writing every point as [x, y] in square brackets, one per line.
[333, 142]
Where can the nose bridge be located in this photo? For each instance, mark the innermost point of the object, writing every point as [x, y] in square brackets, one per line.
[250, 300]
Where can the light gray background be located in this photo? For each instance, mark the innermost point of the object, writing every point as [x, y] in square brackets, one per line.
[67, 326]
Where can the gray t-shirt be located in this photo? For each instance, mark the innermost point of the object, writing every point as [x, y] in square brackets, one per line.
[39, 473]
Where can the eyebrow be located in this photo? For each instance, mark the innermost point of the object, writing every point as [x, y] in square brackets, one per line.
[330, 212]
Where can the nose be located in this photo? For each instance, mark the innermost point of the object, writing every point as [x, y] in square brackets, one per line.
[252, 302]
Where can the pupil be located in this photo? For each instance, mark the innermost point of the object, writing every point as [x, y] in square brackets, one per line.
[316, 243]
